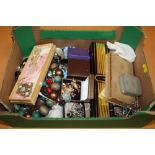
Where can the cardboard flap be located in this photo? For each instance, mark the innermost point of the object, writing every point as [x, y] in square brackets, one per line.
[78, 34]
[9, 77]
[131, 35]
[142, 72]
[26, 37]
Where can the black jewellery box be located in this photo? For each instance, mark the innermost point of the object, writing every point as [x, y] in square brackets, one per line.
[25, 38]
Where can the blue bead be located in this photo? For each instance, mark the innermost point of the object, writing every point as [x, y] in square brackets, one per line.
[49, 73]
[64, 73]
[44, 84]
[57, 79]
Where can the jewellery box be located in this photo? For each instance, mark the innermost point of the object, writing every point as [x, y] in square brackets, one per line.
[25, 38]
[30, 80]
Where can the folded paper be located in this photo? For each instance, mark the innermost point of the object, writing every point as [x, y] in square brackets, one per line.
[123, 50]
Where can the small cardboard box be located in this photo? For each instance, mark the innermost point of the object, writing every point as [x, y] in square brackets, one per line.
[24, 38]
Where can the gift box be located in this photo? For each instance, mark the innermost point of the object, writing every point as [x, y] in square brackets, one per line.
[78, 54]
[22, 46]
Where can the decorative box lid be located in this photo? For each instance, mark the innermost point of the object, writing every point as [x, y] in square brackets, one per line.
[30, 80]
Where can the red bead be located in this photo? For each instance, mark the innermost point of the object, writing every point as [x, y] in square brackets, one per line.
[49, 81]
[49, 90]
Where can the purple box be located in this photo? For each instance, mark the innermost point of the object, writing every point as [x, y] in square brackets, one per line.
[77, 53]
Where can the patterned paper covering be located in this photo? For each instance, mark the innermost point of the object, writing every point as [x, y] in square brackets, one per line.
[31, 73]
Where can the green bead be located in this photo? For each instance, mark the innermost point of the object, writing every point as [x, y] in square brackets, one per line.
[53, 72]
[44, 84]
[21, 113]
[36, 114]
[49, 103]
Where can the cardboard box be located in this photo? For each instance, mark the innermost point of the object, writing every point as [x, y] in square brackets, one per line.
[80, 39]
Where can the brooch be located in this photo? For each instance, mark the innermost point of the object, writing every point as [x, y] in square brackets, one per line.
[70, 90]
[25, 89]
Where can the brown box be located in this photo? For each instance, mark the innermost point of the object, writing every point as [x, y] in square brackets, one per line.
[78, 68]
[116, 66]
